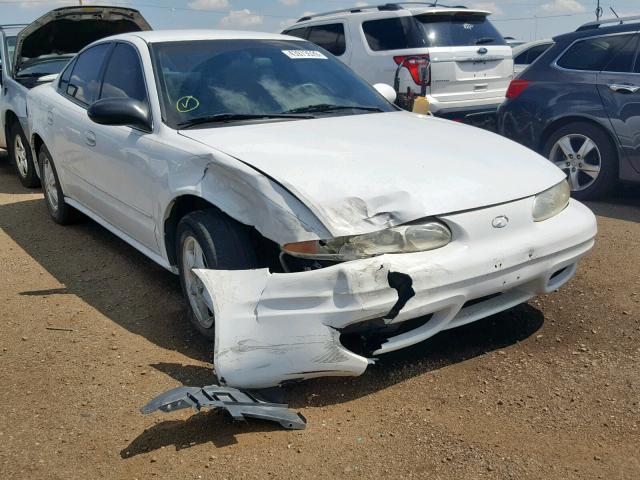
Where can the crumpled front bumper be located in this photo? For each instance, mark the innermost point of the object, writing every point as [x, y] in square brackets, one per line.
[273, 328]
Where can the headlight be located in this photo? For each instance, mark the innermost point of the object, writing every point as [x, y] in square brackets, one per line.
[403, 239]
[551, 202]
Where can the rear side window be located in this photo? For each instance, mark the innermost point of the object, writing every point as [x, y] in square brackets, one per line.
[84, 83]
[595, 53]
[393, 34]
[297, 32]
[123, 77]
[458, 30]
[330, 37]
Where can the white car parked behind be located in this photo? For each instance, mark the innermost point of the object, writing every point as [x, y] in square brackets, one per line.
[470, 64]
[278, 185]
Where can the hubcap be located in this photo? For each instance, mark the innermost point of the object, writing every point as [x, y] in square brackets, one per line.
[50, 184]
[579, 158]
[193, 257]
[21, 156]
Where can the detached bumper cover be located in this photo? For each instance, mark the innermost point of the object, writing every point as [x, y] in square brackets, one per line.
[238, 404]
[274, 328]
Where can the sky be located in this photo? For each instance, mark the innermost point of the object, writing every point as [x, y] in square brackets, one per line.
[522, 19]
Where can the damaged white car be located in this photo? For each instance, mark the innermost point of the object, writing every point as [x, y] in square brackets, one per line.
[313, 224]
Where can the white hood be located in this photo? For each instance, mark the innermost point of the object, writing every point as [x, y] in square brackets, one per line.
[362, 173]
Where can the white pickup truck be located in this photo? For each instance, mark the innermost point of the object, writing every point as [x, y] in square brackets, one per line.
[34, 54]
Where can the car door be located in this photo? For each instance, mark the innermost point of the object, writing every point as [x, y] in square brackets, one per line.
[120, 170]
[78, 87]
[619, 88]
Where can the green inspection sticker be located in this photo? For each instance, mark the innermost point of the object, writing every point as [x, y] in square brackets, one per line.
[187, 104]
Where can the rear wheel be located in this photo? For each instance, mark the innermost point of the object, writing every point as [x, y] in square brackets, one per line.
[60, 211]
[208, 239]
[20, 154]
[587, 156]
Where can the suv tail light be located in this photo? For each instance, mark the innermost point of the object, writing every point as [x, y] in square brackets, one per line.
[516, 87]
[413, 64]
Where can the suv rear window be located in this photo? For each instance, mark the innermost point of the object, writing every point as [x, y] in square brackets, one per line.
[450, 30]
[593, 54]
[459, 30]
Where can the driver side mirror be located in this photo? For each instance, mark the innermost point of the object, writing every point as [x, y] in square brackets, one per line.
[121, 111]
[387, 91]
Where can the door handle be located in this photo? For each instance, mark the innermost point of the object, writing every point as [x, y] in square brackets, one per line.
[90, 138]
[623, 88]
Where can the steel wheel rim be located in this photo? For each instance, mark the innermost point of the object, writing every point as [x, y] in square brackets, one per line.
[50, 184]
[193, 257]
[579, 158]
[21, 156]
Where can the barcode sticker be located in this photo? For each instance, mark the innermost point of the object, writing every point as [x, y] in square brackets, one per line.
[295, 54]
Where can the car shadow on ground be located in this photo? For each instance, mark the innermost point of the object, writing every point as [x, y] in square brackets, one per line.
[9, 180]
[622, 204]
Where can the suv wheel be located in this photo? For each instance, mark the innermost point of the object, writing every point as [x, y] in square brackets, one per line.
[586, 155]
[20, 154]
[209, 239]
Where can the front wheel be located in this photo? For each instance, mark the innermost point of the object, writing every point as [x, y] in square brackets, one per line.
[20, 154]
[208, 239]
[587, 156]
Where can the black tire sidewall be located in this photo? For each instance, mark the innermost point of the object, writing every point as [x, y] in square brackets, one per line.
[225, 245]
[30, 180]
[608, 176]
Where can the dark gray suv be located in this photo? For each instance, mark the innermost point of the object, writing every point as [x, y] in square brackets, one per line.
[579, 106]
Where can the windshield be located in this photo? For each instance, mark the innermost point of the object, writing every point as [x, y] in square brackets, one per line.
[43, 67]
[459, 30]
[232, 78]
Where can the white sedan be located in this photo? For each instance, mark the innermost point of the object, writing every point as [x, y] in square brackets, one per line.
[314, 226]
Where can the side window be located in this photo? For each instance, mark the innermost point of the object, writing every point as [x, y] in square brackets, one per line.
[623, 61]
[593, 53]
[65, 76]
[392, 34]
[123, 76]
[297, 32]
[330, 37]
[84, 83]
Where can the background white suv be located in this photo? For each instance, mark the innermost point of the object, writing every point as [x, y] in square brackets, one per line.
[470, 63]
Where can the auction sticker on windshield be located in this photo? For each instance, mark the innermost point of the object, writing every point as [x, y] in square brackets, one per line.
[304, 54]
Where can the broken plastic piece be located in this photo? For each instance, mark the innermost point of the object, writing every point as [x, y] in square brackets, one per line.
[239, 405]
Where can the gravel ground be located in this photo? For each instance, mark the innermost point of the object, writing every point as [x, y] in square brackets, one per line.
[547, 390]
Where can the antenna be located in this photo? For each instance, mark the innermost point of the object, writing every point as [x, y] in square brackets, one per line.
[598, 11]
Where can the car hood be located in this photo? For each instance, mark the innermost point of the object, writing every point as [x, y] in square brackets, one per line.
[362, 173]
[69, 29]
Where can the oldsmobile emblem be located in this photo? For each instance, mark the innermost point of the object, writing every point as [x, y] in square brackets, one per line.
[500, 221]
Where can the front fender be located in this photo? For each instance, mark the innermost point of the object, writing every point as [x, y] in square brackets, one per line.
[247, 196]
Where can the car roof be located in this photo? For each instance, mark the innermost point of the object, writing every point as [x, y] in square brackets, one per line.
[156, 36]
[525, 46]
[384, 11]
[596, 32]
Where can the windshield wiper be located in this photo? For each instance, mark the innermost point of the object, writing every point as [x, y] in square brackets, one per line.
[237, 117]
[325, 107]
[483, 40]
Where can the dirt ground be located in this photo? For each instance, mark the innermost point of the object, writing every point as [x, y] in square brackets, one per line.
[548, 390]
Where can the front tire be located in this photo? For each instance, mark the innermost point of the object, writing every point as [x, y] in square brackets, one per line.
[61, 212]
[585, 153]
[209, 239]
[21, 157]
